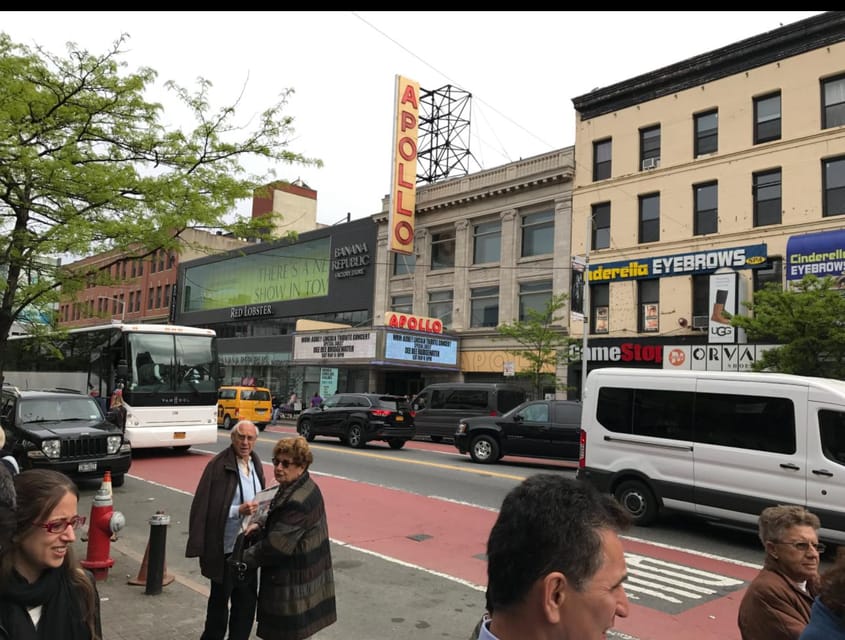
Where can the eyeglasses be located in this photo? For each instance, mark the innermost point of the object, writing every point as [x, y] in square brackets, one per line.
[60, 525]
[804, 546]
[285, 463]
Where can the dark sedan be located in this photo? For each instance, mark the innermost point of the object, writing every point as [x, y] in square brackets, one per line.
[535, 429]
[358, 418]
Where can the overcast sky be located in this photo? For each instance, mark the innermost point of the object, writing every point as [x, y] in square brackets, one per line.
[522, 68]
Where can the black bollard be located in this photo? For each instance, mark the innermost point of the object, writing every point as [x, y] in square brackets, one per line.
[158, 542]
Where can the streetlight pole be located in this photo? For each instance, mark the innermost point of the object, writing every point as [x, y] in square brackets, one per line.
[122, 306]
[585, 354]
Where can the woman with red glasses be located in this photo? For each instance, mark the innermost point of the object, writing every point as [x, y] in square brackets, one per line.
[44, 592]
[296, 595]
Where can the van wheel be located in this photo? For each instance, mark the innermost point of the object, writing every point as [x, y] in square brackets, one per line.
[355, 436]
[305, 430]
[227, 422]
[436, 438]
[395, 443]
[484, 449]
[638, 500]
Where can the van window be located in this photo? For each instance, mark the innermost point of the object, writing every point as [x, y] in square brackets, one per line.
[744, 422]
[255, 394]
[832, 433]
[507, 399]
[227, 394]
[464, 399]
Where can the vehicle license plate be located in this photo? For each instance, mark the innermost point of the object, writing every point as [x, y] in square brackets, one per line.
[85, 467]
[400, 418]
[178, 435]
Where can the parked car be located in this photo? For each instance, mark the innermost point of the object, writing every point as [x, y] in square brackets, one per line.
[63, 430]
[358, 418]
[439, 406]
[236, 403]
[536, 429]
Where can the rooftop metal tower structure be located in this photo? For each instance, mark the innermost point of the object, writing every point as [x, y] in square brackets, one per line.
[443, 143]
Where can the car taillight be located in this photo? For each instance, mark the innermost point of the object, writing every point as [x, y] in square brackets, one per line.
[381, 413]
[413, 414]
[582, 449]
[493, 412]
[237, 411]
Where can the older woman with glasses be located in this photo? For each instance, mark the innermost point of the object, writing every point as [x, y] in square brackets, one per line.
[777, 603]
[44, 592]
[296, 597]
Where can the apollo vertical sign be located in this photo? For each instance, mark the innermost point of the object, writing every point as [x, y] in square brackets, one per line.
[403, 182]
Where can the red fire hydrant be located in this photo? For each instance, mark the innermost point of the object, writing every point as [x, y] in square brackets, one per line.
[104, 521]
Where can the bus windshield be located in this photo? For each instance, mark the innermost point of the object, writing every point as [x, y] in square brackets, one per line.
[171, 364]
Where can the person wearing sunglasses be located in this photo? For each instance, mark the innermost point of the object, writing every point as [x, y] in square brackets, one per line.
[223, 502]
[44, 591]
[777, 603]
[296, 597]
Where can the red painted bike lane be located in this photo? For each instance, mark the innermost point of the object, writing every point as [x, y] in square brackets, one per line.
[449, 538]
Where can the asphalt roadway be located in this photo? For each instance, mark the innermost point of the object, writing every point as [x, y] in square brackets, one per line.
[377, 598]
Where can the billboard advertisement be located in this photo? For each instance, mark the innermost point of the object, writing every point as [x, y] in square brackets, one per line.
[403, 181]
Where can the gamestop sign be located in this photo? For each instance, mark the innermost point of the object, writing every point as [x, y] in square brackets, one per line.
[414, 323]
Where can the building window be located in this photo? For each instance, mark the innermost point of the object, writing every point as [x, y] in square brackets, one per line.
[534, 295]
[700, 301]
[404, 265]
[833, 102]
[834, 186]
[484, 307]
[601, 159]
[166, 295]
[706, 133]
[600, 236]
[402, 304]
[138, 300]
[440, 306]
[767, 118]
[650, 148]
[649, 218]
[538, 233]
[767, 198]
[705, 216]
[648, 296]
[487, 242]
[161, 257]
[158, 297]
[600, 308]
[771, 273]
[443, 250]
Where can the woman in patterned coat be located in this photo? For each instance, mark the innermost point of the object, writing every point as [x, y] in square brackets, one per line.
[296, 597]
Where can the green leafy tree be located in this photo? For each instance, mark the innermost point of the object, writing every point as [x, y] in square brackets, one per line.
[544, 343]
[87, 166]
[808, 321]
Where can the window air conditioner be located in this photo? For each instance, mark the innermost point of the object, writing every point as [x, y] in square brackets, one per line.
[651, 163]
[700, 322]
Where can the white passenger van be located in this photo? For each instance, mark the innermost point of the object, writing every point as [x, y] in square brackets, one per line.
[722, 445]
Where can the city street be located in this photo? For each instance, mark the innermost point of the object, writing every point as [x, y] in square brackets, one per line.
[409, 550]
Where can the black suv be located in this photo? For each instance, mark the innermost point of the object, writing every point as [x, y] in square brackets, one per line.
[357, 418]
[65, 431]
[536, 429]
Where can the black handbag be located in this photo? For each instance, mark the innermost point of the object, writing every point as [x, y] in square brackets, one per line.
[239, 571]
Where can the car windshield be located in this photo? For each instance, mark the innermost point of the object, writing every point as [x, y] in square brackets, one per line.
[59, 409]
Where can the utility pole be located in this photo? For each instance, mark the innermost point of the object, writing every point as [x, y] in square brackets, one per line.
[585, 352]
